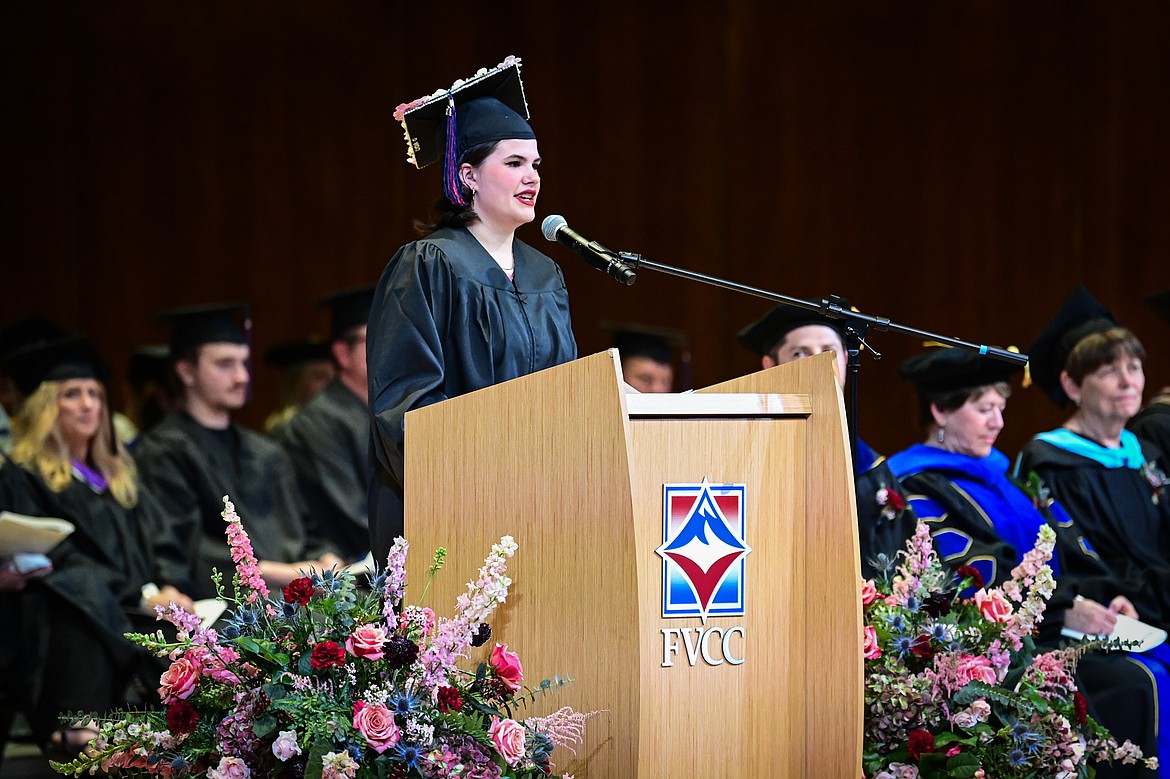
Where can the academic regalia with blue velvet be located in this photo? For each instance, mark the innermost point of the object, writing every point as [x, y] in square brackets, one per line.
[979, 516]
[446, 320]
[882, 528]
[328, 441]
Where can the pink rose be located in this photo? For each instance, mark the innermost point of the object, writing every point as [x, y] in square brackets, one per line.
[178, 681]
[869, 644]
[973, 667]
[508, 736]
[230, 768]
[377, 724]
[869, 592]
[367, 641]
[993, 605]
[507, 665]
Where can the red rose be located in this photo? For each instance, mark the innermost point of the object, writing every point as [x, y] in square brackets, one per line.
[300, 591]
[449, 700]
[897, 502]
[1080, 708]
[972, 573]
[920, 742]
[181, 718]
[327, 653]
[921, 647]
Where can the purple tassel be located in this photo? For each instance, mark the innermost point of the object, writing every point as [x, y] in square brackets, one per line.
[450, 178]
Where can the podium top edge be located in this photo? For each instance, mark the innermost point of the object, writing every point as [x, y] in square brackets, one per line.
[688, 404]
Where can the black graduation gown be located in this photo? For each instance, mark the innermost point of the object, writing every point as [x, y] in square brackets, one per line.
[1114, 509]
[1152, 424]
[881, 531]
[92, 595]
[447, 321]
[328, 441]
[191, 468]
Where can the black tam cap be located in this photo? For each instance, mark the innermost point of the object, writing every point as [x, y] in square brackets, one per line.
[149, 363]
[348, 309]
[1161, 304]
[762, 335]
[56, 359]
[198, 325]
[294, 353]
[1081, 316]
[489, 106]
[947, 370]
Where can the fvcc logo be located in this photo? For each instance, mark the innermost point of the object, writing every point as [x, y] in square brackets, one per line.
[703, 553]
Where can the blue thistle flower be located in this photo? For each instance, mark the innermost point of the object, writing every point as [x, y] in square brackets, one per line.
[902, 645]
[1017, 757]
[403, 704]
[229, 632]
[912, 604]
[897, 623]
[180, 766]
[355, 751]
[939, 632]
[408, 754]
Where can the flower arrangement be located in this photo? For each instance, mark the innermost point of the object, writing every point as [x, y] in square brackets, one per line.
[954, 686]
[336, 682]
[1156, 479]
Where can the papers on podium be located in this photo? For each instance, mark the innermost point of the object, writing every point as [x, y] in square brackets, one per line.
[36, 535]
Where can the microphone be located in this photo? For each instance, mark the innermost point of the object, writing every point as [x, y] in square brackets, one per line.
[555, 228]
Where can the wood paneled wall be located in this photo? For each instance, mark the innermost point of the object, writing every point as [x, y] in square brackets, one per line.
[954, 166]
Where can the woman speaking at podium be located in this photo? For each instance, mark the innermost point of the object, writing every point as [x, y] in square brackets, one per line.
[467, 305]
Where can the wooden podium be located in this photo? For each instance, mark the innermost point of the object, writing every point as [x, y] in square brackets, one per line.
[574, 470]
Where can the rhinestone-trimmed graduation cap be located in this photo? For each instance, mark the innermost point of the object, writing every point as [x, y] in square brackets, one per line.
[489, 106]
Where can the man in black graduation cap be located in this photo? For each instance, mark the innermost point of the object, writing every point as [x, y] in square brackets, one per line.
[1152, 423]
[647, 355]
[197, 455]
[884, 518]
[306, 368]
[328, 438]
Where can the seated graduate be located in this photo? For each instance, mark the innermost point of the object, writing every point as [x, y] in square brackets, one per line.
[328, 439]
[148, 391]
[197, 455]
[647, 355]
[1152, 423]
[306, 368]
[119, 561]
[1103, 475]
[787, 333]
[979, 516]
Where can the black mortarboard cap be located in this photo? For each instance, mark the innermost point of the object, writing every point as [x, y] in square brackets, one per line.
[211, 324]
[348, 309]
[55, 359]
[657, 343]
[294, 353]
[1161, 304]
[762, 335]
[30, 330]
[1081, 316]
[945, 369]
[489, 106]
[149, 363]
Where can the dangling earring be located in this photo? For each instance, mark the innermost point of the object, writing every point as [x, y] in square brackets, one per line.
[942, 433]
